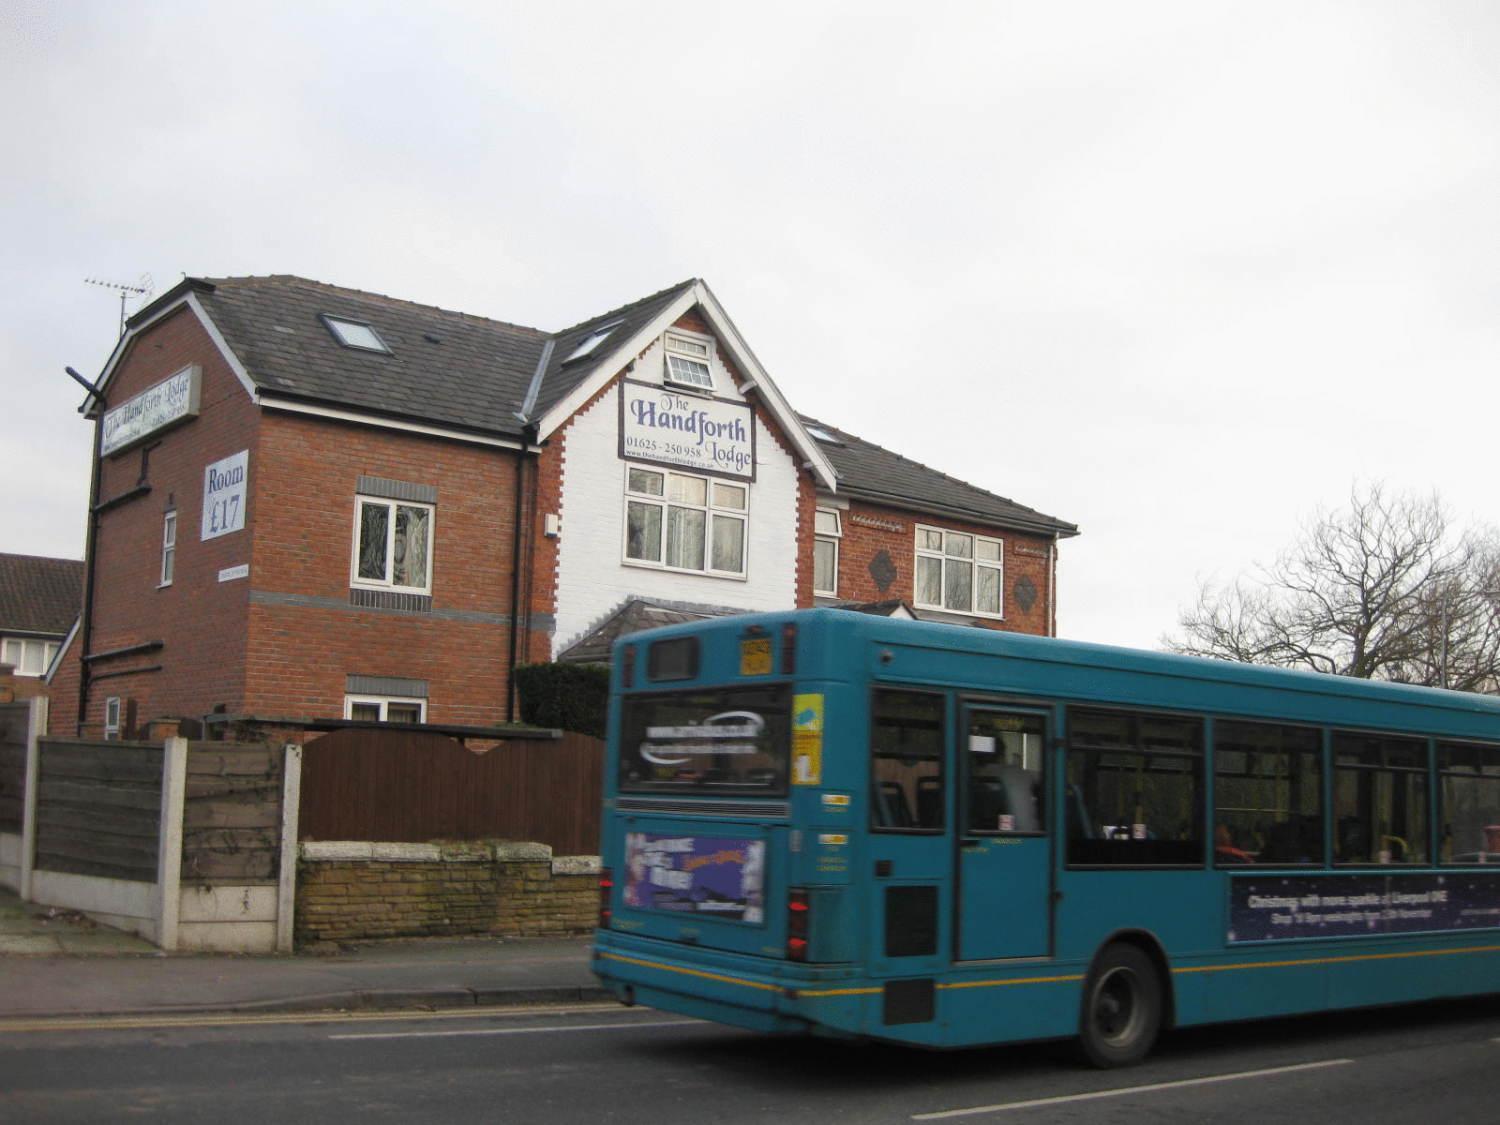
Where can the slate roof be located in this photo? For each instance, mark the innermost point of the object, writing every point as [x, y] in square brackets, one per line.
[636, 614]
[39, 595]
[480, 375]
[870, 472]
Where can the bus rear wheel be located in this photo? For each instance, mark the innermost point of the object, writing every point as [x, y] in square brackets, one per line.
[1122, 1007]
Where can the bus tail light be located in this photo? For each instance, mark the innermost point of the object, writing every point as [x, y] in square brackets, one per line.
[606, 888]
[789, 650]
[798, 923]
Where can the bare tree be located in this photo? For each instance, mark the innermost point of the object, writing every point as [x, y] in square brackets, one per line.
[1386, 589]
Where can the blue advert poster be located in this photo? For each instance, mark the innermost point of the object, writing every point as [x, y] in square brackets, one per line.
[1282, 907]
[722, 876]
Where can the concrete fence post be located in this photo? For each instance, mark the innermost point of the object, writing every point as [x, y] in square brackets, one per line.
[291, 804]
[36, 726]
[169, 844]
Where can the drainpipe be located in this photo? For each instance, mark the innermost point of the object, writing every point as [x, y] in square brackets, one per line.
[91, 535]
[518, 591]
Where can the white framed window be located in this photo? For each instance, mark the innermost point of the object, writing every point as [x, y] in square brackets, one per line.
[29, 656]
[355, 334]
[392, 545]
[168, 547]
[688, 360]
[112, 718]
[678, 521]
[959, 572]
[385, 709]
[827, 530]
[587, 345]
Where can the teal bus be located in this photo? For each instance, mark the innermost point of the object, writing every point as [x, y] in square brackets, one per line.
[834, 823]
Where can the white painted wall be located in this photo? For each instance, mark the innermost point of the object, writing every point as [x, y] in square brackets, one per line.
[592, 577]
[227, 919]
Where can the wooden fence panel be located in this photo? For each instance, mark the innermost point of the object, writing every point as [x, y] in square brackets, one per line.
[231, 819]
[99, 809]
[412, 787]
[13, 721]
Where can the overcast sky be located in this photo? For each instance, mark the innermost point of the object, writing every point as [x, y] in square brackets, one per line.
[1176, 273]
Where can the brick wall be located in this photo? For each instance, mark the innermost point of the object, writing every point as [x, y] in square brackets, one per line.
[305, 637]
[352, 891]
[872, 531]
[201, 620]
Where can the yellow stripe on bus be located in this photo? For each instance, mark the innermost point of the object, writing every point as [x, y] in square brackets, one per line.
[1338, 960]
[1071, 978]
[720, 977]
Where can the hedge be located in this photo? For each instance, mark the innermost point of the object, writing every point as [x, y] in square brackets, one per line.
[571, 696]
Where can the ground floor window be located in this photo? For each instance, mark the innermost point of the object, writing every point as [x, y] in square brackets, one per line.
[827, 530]
[384, 709]
[959, 572]
[29, 656]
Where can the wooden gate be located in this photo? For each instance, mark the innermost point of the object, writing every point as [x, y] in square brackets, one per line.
[413, 786]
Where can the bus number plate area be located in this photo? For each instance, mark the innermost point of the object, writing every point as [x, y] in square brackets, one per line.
[755, 657]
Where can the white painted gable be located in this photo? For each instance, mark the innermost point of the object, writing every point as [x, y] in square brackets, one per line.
[593, 575]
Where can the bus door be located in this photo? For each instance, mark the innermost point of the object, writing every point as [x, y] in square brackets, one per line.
[910, 833]
[1003, 893]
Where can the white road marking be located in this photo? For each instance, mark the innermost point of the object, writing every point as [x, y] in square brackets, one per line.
[513, 1030]
[1123, 1090]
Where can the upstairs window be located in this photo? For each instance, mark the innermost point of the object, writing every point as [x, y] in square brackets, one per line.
[959, 572]
[355, 334]
[392, 545]
[587, 345]
[684, 522]
[827, 530]
[168, 547]
[687, 361]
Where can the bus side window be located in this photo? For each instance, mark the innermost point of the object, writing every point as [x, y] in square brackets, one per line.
[907, 785]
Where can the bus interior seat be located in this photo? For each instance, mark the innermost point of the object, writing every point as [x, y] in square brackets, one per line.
[1079, 825]
[892, 810]
[929, 802]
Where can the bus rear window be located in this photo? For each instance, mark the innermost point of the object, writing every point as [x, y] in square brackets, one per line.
[707, 741]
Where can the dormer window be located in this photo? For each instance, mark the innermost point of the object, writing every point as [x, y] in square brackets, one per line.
[355, 334]
[587, 345]
[687, 361]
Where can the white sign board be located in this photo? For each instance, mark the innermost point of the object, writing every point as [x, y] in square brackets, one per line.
[224, 486]
[709, 435]
[171, 401]
[230, 573]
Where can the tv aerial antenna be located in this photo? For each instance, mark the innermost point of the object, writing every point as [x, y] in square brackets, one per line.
[142, 288]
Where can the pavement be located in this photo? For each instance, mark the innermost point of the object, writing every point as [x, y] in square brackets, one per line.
[60, 963]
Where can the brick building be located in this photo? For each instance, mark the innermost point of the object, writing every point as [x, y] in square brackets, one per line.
[313, 502]
[38, 607]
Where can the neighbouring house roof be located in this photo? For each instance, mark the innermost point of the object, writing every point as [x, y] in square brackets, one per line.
[39, 595]
[868, 472]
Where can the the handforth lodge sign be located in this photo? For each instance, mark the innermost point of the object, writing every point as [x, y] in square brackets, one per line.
[708, 435]
[173, 400]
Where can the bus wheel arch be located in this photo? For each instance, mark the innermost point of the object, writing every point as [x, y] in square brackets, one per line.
[1127, 999]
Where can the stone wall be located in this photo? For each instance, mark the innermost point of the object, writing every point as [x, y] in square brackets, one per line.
[352, 890]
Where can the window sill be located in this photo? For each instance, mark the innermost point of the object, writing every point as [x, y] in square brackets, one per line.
[727, 576]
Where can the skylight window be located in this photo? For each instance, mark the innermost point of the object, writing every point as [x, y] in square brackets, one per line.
[591, 341]
[818, 433]
[355, 334]
[687, 361]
